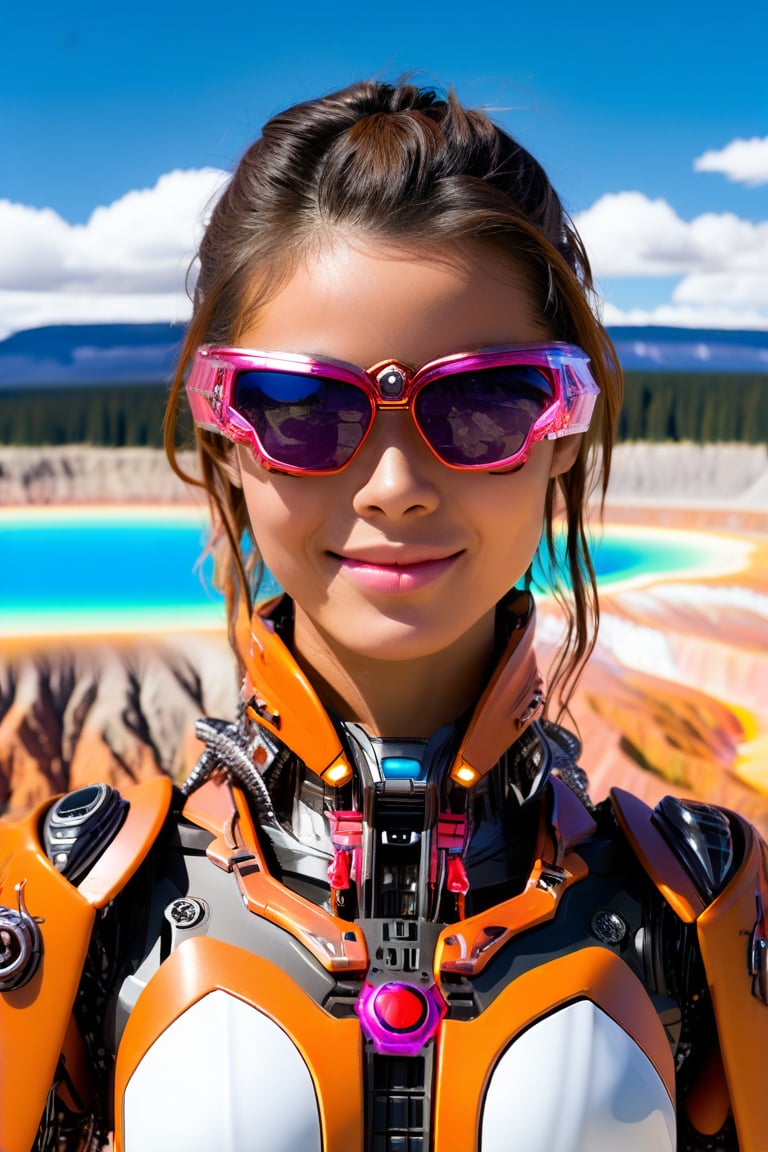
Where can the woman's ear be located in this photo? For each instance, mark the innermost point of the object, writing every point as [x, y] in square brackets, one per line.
[565, 453]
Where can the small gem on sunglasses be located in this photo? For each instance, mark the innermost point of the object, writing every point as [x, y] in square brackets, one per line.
[392, 382]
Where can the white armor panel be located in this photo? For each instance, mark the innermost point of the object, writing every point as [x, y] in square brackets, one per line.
[222, 1078]
[576, 1082]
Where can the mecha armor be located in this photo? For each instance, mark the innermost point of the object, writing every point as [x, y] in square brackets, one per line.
[325, 940]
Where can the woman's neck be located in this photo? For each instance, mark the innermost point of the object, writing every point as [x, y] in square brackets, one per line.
[410, 698]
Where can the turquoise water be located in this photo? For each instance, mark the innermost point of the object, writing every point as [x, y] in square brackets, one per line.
[69, 571]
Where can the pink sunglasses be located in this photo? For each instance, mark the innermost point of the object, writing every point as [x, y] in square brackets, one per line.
[309, 416]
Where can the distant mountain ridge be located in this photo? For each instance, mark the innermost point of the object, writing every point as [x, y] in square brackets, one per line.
[655, 348]
[102, 354]
[90, 354]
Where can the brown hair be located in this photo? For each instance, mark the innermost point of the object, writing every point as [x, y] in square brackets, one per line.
[405, 165]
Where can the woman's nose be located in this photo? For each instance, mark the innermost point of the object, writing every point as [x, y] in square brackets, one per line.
[398, 475]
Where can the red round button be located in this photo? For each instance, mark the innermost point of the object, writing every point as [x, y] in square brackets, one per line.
[400, 1007]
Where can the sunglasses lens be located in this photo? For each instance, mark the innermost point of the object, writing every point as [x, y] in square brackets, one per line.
[481, 417]
[307, 422]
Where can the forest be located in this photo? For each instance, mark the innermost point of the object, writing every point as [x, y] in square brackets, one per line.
[704, 408]
[117, 416]
[701, 407]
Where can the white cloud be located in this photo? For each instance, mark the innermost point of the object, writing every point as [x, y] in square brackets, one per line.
[687, 316]
[719, 257]
[19, 310]
[627, 234]
[741, 161]
[127, 263]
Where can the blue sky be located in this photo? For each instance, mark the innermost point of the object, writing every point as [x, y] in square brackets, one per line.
[116, 123]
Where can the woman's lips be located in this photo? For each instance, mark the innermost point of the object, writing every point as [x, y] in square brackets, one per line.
[394, 578]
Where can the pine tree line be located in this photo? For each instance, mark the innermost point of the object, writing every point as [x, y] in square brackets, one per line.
[118, 416]
[701, 407]
[705, 408]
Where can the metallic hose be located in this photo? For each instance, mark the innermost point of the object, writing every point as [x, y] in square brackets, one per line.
[227, 746]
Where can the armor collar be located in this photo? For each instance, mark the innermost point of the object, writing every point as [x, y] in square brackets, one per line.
[279, 697]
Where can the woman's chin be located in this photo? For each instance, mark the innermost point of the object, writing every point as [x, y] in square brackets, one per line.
[402, 633]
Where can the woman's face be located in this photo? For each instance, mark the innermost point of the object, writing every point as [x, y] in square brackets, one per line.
[398, 557]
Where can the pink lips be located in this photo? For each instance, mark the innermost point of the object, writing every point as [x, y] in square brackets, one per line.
[395, 578]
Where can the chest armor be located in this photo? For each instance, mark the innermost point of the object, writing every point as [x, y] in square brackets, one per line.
[259, 1019]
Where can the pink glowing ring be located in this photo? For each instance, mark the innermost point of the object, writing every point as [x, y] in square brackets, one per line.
[399, 1018]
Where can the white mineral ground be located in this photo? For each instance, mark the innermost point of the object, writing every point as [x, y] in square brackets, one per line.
[674, 699]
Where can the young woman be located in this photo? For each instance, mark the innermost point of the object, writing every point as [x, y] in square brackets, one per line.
[382, 912]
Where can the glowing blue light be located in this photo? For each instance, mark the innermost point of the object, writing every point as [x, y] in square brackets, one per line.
[400, 768]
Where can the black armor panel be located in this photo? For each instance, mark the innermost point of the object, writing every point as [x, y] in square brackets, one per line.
[701, 837]
[79, 826]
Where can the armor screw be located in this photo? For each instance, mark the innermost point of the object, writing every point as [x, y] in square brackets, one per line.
[609, 927]
[186, 912]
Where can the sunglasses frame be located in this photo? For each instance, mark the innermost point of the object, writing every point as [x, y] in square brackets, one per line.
[214, 371]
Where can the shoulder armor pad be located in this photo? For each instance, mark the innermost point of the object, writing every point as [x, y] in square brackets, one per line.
[96, 838]
[701, 837]
[654, 853]
[79, 826]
